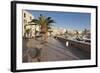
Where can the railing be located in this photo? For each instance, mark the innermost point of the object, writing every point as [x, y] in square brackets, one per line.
[76, 44]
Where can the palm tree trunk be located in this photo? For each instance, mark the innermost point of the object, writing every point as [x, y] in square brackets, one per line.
[46, 36]
[46, 33]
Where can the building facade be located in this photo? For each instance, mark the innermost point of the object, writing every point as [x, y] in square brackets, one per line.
[29, 28]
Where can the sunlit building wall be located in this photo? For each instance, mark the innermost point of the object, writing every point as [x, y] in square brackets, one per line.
[27, 18]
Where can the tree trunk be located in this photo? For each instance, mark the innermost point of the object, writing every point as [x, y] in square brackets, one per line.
[45, 36]
[44, 31]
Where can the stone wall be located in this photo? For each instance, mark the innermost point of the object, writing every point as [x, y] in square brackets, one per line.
[76, 44]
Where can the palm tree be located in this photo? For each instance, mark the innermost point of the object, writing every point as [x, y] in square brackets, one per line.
[27, 31]
[77, 34]
[48, 25]
[84, 32]
[45, 24]
[66, 33]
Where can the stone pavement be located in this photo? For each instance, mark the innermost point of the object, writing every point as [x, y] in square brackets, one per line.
[53, 50]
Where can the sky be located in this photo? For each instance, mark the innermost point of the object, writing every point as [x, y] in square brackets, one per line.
[66, 20]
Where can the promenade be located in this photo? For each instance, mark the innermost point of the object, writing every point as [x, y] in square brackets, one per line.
[52, 50]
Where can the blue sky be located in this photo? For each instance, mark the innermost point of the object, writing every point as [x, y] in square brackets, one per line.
[67, 20]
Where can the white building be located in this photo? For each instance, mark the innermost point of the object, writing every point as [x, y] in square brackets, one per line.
[27, 18]
[58, 31]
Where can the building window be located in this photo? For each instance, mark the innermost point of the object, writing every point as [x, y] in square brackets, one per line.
[30, 18]
[24, 15]
[25, 21]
